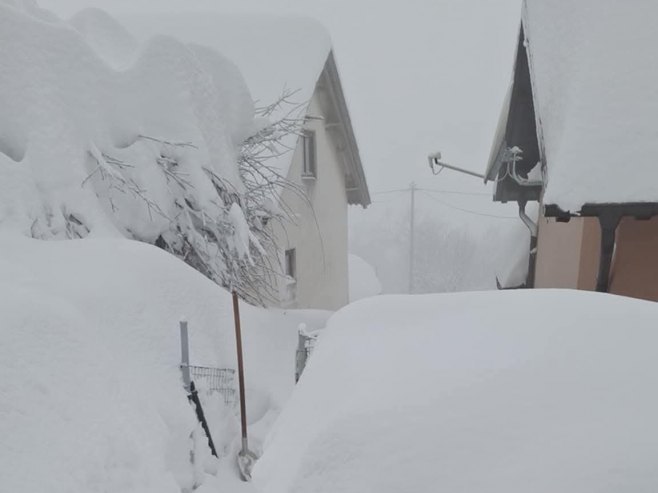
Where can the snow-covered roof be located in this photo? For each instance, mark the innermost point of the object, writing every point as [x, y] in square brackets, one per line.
[594, 72]
[275, 55]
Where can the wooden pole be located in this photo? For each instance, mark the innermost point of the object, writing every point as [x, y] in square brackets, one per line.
[238, 340]
[412, 238]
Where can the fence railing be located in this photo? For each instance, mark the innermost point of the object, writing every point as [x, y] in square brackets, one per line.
[216, 380]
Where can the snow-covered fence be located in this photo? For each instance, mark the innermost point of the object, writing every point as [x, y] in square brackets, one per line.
[305, 345]
[208, 380]
[220, 380]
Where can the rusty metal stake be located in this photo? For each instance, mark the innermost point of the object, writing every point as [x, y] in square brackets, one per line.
[246, 458]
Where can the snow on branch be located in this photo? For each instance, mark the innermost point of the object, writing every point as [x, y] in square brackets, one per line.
[226, 235]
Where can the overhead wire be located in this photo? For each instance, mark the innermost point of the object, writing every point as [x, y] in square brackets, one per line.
[453, 192]
[432, 190]
[467, 211]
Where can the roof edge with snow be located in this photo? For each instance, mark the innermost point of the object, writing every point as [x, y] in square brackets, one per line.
[356, 185]
[561, 116]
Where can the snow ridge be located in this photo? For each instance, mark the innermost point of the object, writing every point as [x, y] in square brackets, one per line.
[73, 92]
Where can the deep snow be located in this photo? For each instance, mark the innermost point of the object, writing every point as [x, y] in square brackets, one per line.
[82, 103]
[98, 129]
[275, 55]
[91, 396]
[509, 391]
[594, 73]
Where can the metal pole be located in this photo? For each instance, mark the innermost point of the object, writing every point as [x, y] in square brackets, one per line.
[238, 340]
[412, 233]
[185, 354]
[435, 162]
[193, 395]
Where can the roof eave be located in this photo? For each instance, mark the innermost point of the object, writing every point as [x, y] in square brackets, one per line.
[358, 194]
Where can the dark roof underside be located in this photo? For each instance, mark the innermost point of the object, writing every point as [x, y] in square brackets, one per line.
[517, 128]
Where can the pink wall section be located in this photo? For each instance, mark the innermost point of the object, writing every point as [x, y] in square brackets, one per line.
[558, 253]
[568, 256]
[635, 264]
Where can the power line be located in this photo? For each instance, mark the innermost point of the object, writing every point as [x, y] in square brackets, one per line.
[386, 201]
[432, 190]
[453, 192]
[391, 191]
[468, 211]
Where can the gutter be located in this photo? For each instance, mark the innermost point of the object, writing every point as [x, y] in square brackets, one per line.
[532, 227]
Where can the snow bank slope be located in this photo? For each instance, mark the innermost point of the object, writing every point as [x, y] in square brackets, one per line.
[91, 397]
[91, 394]
[508, 392]
[81, 104]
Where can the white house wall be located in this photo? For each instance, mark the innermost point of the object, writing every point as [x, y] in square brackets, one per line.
[319, 236]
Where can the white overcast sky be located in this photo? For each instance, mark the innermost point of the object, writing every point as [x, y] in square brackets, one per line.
[419, 76]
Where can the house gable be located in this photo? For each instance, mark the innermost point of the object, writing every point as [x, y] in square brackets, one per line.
[330, 92]
[517, 128]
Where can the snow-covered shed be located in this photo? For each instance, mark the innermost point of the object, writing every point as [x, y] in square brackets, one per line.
[293, 55]
[578, 134]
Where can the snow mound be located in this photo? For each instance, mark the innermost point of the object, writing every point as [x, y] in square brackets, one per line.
[106, 36]
[474, 392]
[600, 138]
[363, 279]
[91, 396]
[275, 54]
[86, 148]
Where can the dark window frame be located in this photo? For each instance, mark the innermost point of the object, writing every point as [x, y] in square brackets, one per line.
[290, 263]
[309, 155]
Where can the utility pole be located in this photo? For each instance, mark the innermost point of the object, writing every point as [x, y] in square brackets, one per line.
[412, 227]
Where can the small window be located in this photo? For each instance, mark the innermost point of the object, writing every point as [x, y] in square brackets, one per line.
[309, 169]
[291, 263]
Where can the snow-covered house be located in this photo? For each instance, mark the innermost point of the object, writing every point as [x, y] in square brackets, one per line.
[275, 56]
[578, 134]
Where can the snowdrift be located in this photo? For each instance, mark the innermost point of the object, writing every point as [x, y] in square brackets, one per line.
[276, 55]
[506, 392]
[99, 131]
[104, 138]
[91, 395]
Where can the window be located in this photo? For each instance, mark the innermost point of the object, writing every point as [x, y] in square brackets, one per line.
[309, 169]
[291, 263]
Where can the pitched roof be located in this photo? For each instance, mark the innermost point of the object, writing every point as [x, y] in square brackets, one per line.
[274, 54]
[594, 73]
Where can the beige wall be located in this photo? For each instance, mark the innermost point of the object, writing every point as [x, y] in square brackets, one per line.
[558, 253]
[567, 253]
[320, 233]
[590, 252]
[635, 264]
[568, 256]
